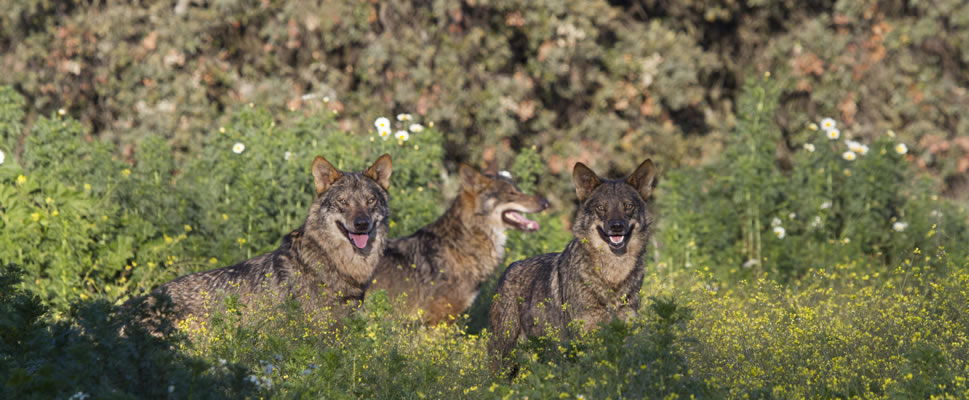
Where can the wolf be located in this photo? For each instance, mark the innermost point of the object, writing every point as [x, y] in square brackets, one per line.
[325, 264]
[440, 268]
[595, 279]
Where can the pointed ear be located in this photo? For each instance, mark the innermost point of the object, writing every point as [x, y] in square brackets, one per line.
[642, 179]
[585, 180]
[380, 171]
[324, 174]
[470, 177]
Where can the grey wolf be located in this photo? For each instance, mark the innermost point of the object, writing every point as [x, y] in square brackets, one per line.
[595, 279]
[325, 264]
[440, 268]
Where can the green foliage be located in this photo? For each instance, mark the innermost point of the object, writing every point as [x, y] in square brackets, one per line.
[839, 200]
[98, 225]
[84, 355]
[592, 80]
[844, 303]
[841, 334]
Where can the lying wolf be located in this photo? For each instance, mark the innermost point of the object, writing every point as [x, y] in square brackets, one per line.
[325, 264]
[595, 279]
[440, 268]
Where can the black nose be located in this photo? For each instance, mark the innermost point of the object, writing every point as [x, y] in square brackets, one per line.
[617, 226]
[361, 224]
[543, 204]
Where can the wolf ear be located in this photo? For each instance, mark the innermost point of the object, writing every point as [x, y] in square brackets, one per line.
[642, 179]
[585, 180]
[380, 171]
[324, 174]
[470, 177]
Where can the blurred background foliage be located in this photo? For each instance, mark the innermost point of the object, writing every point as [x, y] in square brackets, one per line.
[603, 82]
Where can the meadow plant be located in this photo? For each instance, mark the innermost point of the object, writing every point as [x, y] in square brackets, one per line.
[835, 200]
[819, 275]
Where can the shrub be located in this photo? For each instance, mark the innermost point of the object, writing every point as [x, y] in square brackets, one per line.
[748, 213]
[599, 81]
[98, 225]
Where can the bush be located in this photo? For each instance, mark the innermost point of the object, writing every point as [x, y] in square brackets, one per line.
[99, 225]
[749, 214]
[84, 356]
[599, 81]
[851, 306]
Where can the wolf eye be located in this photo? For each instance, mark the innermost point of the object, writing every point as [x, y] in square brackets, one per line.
[341, 201]
[628, 206]
[600, 208]
[371, 200]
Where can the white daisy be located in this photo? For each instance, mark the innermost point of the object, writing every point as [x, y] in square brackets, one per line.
[899, 226]
[780, 232]
[402, 136]
[416, 128]
[849, 155]
[826, 205]
[287, 155]
[403, 117]
[809, 147]
[817, 222]
[382, 123]
[828, 124]
[833, 133]
[857, 147]
[901, 148]
[890, 133]
[238, 148]
[775, 222]
[792, 216]
[2, 157]
[384, 133]
[813, 126]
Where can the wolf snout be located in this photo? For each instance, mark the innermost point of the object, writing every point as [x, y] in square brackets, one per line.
[361, 224]
[617, 226]
[543, 204]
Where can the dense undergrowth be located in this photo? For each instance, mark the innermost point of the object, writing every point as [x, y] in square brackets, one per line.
[587, 80]
[842, 275]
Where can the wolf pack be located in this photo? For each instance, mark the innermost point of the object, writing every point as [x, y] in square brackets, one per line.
[342, 253]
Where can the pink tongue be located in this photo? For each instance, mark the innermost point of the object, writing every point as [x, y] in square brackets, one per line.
[527, 223]
[359, 240]
[616, 239]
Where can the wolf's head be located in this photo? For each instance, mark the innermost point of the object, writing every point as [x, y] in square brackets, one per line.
[352, 206]
[614, 211]
[495, 197]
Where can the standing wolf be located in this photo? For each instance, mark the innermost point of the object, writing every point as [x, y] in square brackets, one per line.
[325, 264]
[440, 268]
[598, 275]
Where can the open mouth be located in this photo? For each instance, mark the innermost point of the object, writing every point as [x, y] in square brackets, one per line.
[359, 240]
[518, 221]
[614, 240]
